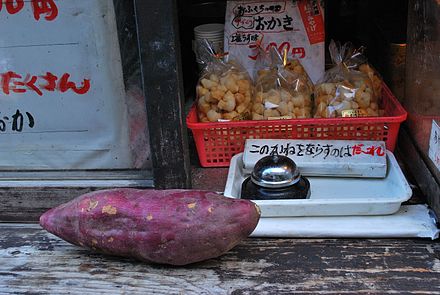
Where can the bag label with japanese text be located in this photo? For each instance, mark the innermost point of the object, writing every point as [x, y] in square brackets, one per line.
[295, 27]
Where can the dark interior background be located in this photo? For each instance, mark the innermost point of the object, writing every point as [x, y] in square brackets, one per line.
[371, 23]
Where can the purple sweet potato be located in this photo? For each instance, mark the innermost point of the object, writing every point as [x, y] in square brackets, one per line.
[175, 227]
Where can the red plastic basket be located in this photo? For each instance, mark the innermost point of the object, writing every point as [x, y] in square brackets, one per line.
[217, 142]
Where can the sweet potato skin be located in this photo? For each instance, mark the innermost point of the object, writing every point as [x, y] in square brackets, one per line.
[174, 227]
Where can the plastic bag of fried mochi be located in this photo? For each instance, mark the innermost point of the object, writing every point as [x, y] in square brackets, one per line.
[351, 88]
[282, 88]
[224, 90]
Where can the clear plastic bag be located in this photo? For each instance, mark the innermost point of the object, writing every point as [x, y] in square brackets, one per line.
[351, 88]
[374, 76]
[280, 91]
[224, 90]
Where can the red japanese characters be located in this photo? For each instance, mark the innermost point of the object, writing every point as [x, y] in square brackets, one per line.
[372, 150]
[46, 8]
[16, 83]
[295, 52]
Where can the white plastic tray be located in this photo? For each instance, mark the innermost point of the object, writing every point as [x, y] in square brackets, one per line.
[331, 196]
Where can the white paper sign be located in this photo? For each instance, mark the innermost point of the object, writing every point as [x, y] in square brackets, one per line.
[434, 144]
[62, 93]
[340, 158]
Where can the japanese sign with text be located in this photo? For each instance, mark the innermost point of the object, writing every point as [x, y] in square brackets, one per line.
[356, 158]
[295, 27]
[61, 86]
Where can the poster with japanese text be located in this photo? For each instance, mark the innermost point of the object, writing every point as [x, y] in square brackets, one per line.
[62, 91]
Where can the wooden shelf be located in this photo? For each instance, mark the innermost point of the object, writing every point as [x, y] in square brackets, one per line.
[37, 262]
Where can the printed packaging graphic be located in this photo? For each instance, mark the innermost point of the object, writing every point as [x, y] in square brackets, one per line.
[295, 27]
